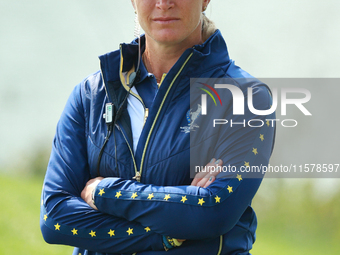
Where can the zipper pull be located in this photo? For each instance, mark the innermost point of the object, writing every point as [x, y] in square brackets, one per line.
[137, 177]
[146, 115]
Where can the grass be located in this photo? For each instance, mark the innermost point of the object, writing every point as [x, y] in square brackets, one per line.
[19, 219]
[292, 220]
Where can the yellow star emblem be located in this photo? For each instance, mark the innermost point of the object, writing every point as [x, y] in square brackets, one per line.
[217, 199]
[45, 217]
[130, 231]
[230, 189]
[255, 151]
[184, 199]
[151, 196]
[239, 177]
[246, 164]
[74, 231]
[167, 197]
[93, 233]
[268, 124]
[111, 233]
[134, 195]
[118, 194]
[201, 201]
[101, 192]
[147, 229]
[57, 227]
[262, 137]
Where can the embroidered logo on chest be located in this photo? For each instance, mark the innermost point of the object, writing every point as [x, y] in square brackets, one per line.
[191, 118]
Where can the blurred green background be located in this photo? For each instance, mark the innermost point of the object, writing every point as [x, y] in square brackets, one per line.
[47, 47]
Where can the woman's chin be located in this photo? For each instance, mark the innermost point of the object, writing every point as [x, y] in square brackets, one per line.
[168, 37]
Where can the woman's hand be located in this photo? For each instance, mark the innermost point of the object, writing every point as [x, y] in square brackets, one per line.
[204, 179]
[90, 186]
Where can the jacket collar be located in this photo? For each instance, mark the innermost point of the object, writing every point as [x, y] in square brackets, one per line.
[213, 52]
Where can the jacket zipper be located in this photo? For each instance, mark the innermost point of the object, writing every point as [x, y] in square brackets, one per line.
[146, 115]
[137, 177]
[139, 174]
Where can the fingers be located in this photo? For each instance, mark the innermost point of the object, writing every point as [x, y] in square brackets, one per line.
[211, 176]
[86, 193]
[204, 179]
[217, 169]
[208, 178]
[210, 181]
[98, 179]
[199, 176]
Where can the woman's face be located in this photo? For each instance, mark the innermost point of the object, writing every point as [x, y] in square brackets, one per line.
[170, 21]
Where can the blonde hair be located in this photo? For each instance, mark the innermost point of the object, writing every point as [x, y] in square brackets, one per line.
[208, 27]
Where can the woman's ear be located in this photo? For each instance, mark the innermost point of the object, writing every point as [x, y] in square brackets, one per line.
[133, 4]
[205, 5]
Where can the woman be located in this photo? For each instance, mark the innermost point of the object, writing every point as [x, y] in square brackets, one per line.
[121, 185]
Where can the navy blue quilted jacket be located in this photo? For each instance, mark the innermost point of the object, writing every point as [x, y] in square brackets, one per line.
[133, 215]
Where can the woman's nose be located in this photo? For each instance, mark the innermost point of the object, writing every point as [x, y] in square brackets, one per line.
[165, 4]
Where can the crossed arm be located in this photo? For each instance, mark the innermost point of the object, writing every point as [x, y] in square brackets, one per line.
[65, 217]
[202, 179]
[120, 225]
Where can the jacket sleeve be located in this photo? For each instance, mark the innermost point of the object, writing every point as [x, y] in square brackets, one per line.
[65, 218]
[190, 212]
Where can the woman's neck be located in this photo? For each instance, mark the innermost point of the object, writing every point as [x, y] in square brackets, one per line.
[159, 58]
